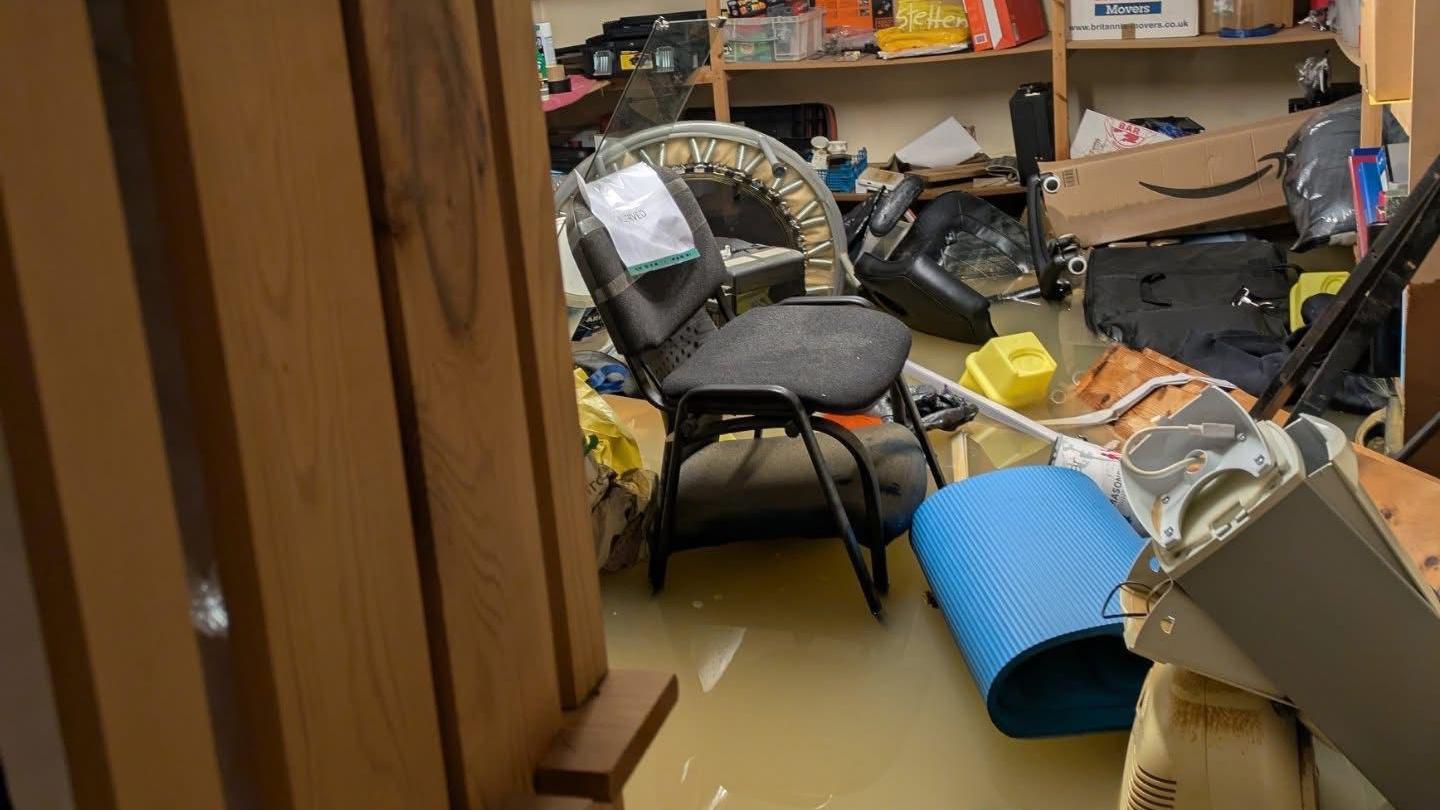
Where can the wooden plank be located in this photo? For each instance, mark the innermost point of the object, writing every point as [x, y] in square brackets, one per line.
[1372, 117]
[602, 741]
[1060, 75]
[1408, 499]
[1006, 190]
[529, 253]
[548, 803]
[1289, 36]
[1037, 46]
[91, 483]
[261, 188]
[719, 80]
[425, 123]
[1422, 307]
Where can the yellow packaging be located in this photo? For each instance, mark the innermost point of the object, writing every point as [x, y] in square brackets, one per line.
[925, 26]
[606, 440]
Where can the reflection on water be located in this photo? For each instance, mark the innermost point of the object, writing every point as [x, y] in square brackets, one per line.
[792, 696]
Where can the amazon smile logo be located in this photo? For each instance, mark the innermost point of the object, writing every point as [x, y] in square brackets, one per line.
[1274, 160]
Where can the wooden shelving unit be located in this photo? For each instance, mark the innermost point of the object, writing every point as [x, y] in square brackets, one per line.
[1288, 36]
[1006, 190]
[1056, 44]
[867, 61]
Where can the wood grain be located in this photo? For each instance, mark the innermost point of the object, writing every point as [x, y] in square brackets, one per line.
[92, 486]
[261, 188]
[431, 159]
[1422, 316]
[603, 741]
[1060, 75]
[1408, 499]
[529, 253]
[1288, 36]
[719, 80]
[1037, 46]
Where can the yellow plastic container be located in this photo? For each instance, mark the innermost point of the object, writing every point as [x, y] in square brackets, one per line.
[1313, 284]
[1014, 370]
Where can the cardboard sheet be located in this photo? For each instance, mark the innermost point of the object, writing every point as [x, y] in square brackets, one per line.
[1099, 133]
[1219, 175]
[947, 144]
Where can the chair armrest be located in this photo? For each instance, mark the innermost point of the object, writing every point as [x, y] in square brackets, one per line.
[827, 301]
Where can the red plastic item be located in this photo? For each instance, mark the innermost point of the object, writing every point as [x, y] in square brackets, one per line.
[852, 421]
[1000, 24]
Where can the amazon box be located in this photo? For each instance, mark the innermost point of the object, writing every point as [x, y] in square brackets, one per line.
[1216, 176]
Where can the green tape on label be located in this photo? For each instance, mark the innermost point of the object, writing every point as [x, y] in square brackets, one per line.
[660, 264]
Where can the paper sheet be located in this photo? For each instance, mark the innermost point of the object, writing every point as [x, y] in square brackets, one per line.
[947, 144]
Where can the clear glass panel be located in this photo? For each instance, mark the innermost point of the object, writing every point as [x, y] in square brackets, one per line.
[676, 58]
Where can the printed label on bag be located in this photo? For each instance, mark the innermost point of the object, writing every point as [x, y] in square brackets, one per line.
[642, 219]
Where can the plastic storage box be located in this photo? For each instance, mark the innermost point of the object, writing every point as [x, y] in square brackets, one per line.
[775, 39]
[842, 178]
[1014, 370]
[1313, 284]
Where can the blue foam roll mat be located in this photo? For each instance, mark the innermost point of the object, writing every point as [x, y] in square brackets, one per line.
[1020, 561]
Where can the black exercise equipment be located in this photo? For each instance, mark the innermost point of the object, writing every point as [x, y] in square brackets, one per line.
[1343, 335]
[779, 366]
[914, 284]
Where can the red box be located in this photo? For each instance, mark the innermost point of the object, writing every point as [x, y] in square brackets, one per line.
[1001, 24]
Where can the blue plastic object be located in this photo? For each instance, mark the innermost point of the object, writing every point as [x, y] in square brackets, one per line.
[1021, 561]
[842, 178]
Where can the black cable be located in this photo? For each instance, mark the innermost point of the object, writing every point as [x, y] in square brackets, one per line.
[1144, 590]
[1420, 439]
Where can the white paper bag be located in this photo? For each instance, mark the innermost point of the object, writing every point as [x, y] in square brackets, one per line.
[642, 219]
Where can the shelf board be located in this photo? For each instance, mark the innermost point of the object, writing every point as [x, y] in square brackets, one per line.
[582, 86]
[1289, 36]
[935, 191]
[1041, 45]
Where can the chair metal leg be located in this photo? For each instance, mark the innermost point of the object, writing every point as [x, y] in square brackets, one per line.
[669, 503]
[870, 486]
[842, 521]
[917, 426]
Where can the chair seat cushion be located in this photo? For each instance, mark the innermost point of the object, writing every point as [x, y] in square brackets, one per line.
[766, 489]
[835, 358]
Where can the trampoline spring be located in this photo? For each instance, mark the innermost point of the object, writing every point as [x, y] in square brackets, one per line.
[812, 251]
[810, 206]
[811, 221]
[786, 190]
[710, 150]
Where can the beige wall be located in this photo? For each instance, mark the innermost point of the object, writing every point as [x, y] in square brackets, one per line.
[883, 108]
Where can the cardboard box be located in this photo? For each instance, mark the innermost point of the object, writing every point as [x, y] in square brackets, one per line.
[1216, 176]
[1099, 134]
[1387, 27]
[1254, 14]
[1134, 19]
[853, 14]
[1000, 24]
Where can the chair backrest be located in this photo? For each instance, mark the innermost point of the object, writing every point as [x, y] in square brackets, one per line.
[642, 313]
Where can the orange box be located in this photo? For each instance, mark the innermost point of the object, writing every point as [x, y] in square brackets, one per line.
[857, 15]
[1000, 24]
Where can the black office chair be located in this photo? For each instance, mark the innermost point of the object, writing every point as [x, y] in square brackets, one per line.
[772, 367]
